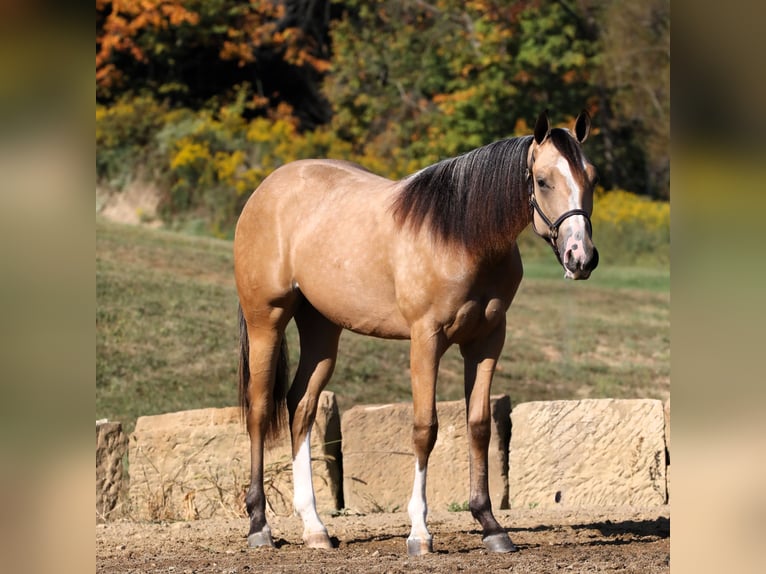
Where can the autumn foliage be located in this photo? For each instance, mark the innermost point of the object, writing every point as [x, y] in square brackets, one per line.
[208, 96]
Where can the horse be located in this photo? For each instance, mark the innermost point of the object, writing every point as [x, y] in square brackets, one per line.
[431, 258]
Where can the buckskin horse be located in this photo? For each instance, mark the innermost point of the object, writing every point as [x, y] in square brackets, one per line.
[431, 258]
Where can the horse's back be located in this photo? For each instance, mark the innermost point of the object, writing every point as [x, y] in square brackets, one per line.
[315, 191]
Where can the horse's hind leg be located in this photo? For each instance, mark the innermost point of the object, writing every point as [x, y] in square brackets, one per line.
[319, 347]
[263, 382]
[480, 360]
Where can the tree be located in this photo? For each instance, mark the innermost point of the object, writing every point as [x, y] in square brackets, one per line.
[635, 72]
[204, 52]
[407, 82]
[436, 79]
[418, 81]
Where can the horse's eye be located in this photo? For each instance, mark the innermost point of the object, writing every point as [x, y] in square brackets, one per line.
[540, 182]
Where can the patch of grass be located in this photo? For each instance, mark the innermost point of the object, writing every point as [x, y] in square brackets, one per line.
[458, 507]
[167, 333]
[166, 336]
[655, 278]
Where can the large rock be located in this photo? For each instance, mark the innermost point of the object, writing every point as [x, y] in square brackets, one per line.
[196, 464]
[110, 449]
[593, 452]
[379, 463]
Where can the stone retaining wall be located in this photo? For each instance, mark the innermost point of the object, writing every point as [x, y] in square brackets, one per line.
[379, 463]
[595, 452]
[195, 464]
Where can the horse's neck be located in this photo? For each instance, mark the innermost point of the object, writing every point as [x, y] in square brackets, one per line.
[522, 217]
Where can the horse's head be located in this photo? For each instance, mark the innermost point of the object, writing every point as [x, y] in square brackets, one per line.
[561, 182]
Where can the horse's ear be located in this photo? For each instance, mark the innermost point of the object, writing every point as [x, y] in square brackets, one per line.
[582, 126]
[542, 127]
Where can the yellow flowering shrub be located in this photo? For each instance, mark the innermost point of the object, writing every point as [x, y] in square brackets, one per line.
[620, 207]
[628, 227]
[124, 134]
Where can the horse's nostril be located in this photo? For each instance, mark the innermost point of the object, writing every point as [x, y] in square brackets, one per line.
[571, 261]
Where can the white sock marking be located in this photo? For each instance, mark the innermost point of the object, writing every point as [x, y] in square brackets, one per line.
[418, 508]
[304, 501]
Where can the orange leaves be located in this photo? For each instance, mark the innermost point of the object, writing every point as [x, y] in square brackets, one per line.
[245, 29]
[169, 36]
[240, 51]
[259, 27]
[125, 20]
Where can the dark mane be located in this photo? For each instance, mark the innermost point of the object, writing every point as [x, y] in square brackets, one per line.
[478, 199]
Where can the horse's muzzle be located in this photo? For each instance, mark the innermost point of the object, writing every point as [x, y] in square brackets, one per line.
[579, 265]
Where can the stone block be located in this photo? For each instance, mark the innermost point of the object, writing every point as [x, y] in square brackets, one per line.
[196, 464]
[593, 452]
[111, 445]
[379, 463]
[667, 443]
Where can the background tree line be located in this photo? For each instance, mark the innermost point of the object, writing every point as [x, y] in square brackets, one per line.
[207, 96]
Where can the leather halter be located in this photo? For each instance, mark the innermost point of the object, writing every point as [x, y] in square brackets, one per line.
[553, 227]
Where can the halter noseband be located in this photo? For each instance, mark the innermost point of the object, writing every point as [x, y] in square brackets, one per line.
[553, 228]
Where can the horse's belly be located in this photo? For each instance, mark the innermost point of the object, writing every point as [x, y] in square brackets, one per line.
[357, 308]
[351, 284]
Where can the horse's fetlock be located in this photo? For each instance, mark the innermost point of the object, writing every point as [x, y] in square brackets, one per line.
[254, 501]
[479, 506]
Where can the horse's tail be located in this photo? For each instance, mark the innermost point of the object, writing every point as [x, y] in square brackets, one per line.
[278, 398]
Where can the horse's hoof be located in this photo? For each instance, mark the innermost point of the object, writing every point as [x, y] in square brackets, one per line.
[260, 539]
[419, 546]
[499, 543]
[318, 540]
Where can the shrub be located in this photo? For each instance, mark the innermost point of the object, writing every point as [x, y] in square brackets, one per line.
[125, 138]
[630, 228]
[206, 169]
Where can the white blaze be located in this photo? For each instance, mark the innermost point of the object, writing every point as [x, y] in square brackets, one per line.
[576, 222]
[575, 227]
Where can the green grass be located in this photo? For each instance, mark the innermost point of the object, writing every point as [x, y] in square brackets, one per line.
[167, 333]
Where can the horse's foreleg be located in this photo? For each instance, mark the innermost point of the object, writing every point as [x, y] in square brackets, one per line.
[319, 347]
[425, 352]
[480, 360]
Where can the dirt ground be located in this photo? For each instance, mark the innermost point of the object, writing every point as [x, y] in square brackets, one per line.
[605, 540]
